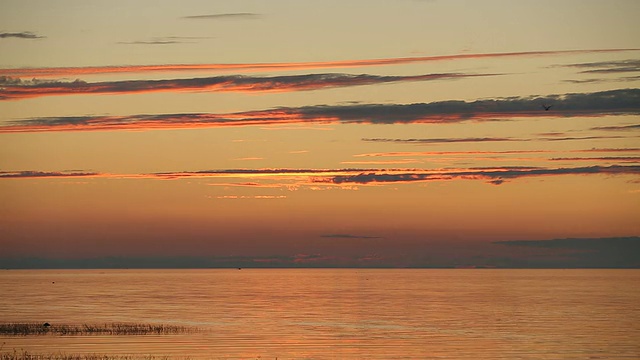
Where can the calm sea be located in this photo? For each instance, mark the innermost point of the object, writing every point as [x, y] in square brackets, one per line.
[336, 314]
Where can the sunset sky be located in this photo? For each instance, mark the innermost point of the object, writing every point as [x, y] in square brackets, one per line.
[375, 133]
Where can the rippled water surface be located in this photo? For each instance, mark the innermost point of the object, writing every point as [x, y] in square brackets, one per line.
[336, 314]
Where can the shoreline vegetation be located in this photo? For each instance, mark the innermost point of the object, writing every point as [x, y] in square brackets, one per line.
[25, 355]
[28, 329]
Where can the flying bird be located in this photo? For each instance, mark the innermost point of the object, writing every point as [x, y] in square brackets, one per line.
[546, 107]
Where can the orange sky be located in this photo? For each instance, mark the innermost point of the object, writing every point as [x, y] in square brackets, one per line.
[423, 142]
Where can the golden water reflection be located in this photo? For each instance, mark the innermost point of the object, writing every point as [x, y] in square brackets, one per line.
[336, 314]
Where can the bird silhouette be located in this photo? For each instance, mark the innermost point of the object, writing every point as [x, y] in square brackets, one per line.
[546, 107]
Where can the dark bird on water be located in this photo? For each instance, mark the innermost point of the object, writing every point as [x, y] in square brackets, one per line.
[546, 107]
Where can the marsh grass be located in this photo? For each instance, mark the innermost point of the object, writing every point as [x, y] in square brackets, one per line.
[24, 355]
[25, 329]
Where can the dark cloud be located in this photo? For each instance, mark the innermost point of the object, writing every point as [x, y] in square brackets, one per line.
[620, 66]
[226, 16]
[45, 174]
[625, 159]
[21, 35]
[165, 40]
[428, 141]
[495, 176]
[7, 82]
[603, 80]
[613, 102]
[13, 89]
[586, 81]
[578, 138]
[443, 140]
[348, 236]
[501, 152]
[568, 105]
[618, 127]
[11, 81]
[608, 150]
[152, 42]
[617, 252]
[604, 68]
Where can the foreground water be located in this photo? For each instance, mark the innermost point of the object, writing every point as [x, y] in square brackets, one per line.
[336, 314]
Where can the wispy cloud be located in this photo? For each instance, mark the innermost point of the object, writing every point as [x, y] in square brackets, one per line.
[253, 197]
[320, 127]
[506, 155]
[45, 174]
[428, 141]
[603, 80]
[14, 89]
[224, 16]
[502, 152]
[78, 71]
[443, 140]
[613, 102]
[606, 68]
[165, 40]
[618, 127]
[382, 162]
[248, 184]
[607, 150]
[249, 158]
[494, 176]
[447, 153]
[615, 159]
[619, 66]
[253, 173]
[20, 35]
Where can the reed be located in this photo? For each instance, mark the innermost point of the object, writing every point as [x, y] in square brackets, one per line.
[25, 329]
[25, 355]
